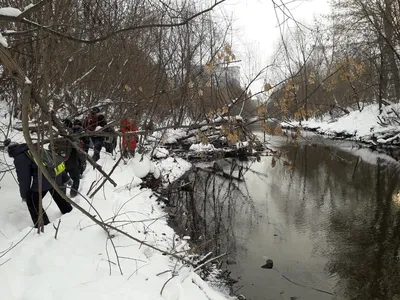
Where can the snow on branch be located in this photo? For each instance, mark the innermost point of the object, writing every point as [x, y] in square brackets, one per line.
[17, 13]
[84, 75]
[3, 41]
[32, 8]
[8, 32]
[29, 6]
[10, 12]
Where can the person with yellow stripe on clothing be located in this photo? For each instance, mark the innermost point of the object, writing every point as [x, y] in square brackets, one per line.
[28, 179]
[74, 161]
[57, 170]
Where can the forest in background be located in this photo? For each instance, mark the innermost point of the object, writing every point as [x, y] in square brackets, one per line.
[166, 61]
[341, 62]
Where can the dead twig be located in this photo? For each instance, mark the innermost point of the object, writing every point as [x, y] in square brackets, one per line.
[166, 271]
[57, 228]
[204, 258]
[137, 269]
[5, 262]
[162, 289]
[105, 179]
[210, 260]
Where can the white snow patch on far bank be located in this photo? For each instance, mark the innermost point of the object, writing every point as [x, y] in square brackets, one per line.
[360, 124]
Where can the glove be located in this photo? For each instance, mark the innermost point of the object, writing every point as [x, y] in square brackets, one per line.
[23, 199]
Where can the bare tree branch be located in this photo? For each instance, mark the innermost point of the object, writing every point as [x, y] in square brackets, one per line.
[186, 21]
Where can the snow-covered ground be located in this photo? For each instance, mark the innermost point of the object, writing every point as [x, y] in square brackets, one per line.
[362, 126]
[83, 263]
[202, 147]
[169, 136]
[172, 168]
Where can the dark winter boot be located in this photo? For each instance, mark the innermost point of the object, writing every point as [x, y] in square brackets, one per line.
[73, 193]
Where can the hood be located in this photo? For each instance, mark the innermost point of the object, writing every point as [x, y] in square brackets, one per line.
[77, 122]
[16, 149]
[77, 130]
[67, 123]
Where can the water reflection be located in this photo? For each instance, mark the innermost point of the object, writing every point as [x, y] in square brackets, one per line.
[329, 221]
[349, 207]
[216, 196]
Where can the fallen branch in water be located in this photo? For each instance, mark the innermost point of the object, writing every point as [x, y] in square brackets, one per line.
[302, 285]
[210, 260]
[310, 287]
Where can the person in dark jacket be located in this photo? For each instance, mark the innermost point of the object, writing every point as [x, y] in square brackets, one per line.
[28, 179]
[109, 142]
[72, 158]
[77, 127]
[91, 123]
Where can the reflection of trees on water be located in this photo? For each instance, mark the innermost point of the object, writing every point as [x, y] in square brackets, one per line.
[213, 206]
[355, 206]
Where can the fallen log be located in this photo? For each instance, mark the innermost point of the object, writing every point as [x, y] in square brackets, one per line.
[241, 154]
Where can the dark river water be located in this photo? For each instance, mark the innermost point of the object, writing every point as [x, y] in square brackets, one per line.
[328, 218]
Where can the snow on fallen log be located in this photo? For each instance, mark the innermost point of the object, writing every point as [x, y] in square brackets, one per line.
[388, 140]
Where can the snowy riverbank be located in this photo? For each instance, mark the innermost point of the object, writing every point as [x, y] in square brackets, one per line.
[367, 127]
[83, 263]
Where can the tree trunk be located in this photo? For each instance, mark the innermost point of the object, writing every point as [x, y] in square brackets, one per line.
[389, 45]
[383, 75]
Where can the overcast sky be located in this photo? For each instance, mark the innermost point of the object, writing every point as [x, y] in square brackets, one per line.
[256, 33]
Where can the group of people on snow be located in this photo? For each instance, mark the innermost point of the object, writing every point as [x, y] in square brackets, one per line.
[68, 164]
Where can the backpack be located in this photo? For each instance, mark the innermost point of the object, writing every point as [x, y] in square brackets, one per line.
[54, 168]
[110, 142]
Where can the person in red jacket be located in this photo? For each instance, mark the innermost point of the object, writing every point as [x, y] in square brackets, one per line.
[128, 142]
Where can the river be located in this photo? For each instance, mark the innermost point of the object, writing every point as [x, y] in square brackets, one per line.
[328, 218]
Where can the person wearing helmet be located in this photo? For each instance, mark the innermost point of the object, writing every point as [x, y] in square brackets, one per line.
[28, 180]
[91, 123]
